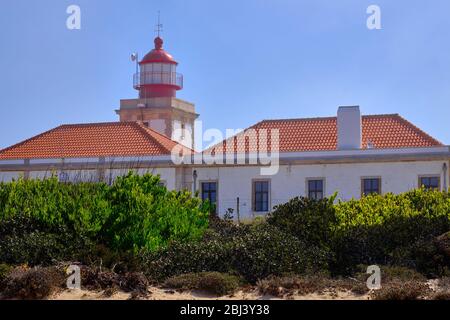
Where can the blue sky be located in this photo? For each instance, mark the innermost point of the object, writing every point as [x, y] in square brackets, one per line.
[243, 60]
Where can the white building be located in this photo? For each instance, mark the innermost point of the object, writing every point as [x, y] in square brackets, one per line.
[349, 154]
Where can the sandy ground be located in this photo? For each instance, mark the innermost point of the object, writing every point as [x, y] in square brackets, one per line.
[164, 294]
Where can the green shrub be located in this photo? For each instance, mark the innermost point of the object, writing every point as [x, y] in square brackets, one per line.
[135, 213]
[377, 229]
[265, 251]
[391, 229]
[82, 207]
[216, 283]
[146, 215]
[188, 257]
[309, 220]
[182, 282]
[26, 240]
[225, 230]
[261, 251]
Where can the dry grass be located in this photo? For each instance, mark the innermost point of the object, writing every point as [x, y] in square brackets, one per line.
[402, 290]
[296, 285]
[111, 282]
[31, 284]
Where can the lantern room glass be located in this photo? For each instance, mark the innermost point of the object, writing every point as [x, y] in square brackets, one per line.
[158, 73]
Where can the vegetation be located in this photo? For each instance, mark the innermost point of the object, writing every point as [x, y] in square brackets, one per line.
[212, 282]
[393, 229]
[135, 231]
[304, 285]
[402, 290]
[40, 283]
[134, 213]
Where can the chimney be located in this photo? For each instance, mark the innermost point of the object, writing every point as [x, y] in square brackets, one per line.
[349, 128]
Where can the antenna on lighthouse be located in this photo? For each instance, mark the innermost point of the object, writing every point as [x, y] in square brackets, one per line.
[135, 58]
[159, 26]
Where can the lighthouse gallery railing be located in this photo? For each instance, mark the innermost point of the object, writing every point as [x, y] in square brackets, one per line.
[167, 78]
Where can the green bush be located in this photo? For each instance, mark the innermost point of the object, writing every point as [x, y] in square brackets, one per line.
[224, 230]
[26, 240]
[137, 224]
[391, 229]
[265, 251]
[145, 214]
[309, 220]
[81, 207]
[216, 283]
[261, 251]
[188, 257]
[135, 213]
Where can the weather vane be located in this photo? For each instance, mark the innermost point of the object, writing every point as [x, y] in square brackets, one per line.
[159, 26]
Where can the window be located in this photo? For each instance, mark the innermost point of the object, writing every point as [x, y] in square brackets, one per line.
[261, 196]
[315, 189]
[209, 192]
[63, 177]
[183, 128]
[166, 67]
[371, 185]
[162, 183]
[430, 183]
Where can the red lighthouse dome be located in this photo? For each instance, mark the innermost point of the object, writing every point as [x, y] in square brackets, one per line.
[158, 76]
[158, 54]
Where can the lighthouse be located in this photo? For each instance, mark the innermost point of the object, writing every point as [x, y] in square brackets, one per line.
[157, 82]
[158, 75]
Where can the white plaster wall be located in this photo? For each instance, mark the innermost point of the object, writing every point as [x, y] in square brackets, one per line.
[349, 128]
[43, 174]
[290, 181]
[167, 174]
[9, 176]
[80, 176]
[70, 175]
[176, 130]
[158, 125]
[184, 137]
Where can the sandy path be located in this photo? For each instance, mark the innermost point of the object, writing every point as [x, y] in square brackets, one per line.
[164, 294]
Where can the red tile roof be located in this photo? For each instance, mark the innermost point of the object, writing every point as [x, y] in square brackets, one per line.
[112, 139]
[320, 134]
